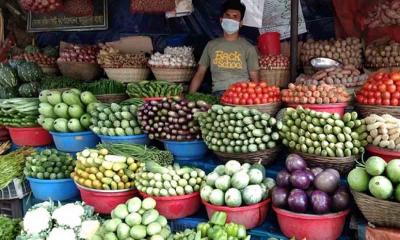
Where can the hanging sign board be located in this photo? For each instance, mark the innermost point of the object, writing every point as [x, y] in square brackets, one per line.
[62, 22]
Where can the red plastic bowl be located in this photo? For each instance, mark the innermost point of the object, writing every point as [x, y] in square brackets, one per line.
[338, 108]
[177, 206]
[105, 201]
[386, 154]
[32, 137]
[4, 136]
[249, 216]
[311, 227]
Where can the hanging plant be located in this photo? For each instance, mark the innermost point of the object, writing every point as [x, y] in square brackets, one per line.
[79, 8]
[152, 6]
[41, 6]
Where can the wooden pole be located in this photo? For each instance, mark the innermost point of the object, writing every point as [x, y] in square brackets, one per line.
[294, 17]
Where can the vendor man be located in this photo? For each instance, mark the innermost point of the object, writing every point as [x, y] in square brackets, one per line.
[230, 58]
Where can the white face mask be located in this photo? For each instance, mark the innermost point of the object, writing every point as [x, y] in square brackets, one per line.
[230, 26]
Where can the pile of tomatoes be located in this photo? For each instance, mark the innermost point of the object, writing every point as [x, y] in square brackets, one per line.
[381, 89]
[250, 93]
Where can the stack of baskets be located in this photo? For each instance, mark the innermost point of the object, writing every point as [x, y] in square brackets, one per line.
[127, 75]
[181, 75]
[79, 70]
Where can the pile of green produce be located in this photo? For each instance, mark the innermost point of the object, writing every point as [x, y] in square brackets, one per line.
[175, 180]
[375, 176]
[216, 229]
[66, 111]
[133, 101]
[97, 169]
[323, 134]
[9, 228]
[140, 152]
[12, 165]
[49, 164]
[19, 112]
[147, 89]
[208, 98]
[171, 119]
[136, 219]
[104, 86]
[236, 185]
[22, 80]
[115, 120]
[237, 129]
[49, 82]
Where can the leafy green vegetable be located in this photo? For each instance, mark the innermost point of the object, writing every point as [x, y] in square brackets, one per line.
[208, 98]
[9, 228]
[104, 86]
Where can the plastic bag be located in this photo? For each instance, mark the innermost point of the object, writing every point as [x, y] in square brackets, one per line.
[78, 8]
[152, 6]
[41, 6]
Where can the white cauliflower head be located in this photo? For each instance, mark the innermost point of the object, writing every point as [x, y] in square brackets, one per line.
[89, 229]
[69, 215]
[60, 233]
[37, 220]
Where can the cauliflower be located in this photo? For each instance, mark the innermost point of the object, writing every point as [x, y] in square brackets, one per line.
[37, 220]
[60, 233]
[69, 215]
[89, 229]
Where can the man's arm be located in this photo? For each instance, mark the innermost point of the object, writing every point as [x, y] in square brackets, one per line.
[254, 76]
[198, 78]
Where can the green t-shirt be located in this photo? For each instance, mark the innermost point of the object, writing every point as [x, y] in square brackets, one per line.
[229, 61]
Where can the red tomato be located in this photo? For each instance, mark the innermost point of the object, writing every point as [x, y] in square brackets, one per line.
[257, 101]
[382, 87]
[391, 88]
[263, 84]
[388, 81]
[378, 101]
[264, 100]
[371, 94]
[371, 101]
[259, 95]
[395, 76]
[236, 101]
[245, 95]
[242, 101]
[378, 94]
[386, 95]
[252, 96]
[386, 102]
[243, 85]
[360, 98]
[258, 90]
[394, 102]
[250, 90]
[249, 102]
[396, 95]
[252, 85]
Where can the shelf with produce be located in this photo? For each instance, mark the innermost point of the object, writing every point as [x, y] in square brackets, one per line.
[258, 96]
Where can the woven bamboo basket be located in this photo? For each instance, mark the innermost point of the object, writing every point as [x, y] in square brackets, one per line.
[265, 157]
[366, 110]
[270, 108]
[112, 98]
[275, 77]
[174, 75]
[379, 212]
[127, 75]
[80, 70]
[49, 69]
[342, 164]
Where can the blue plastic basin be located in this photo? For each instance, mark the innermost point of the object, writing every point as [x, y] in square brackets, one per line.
[135, 139]
[187, 151]
[56, 190]
[75, 142]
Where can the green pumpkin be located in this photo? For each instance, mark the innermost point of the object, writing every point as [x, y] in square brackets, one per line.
[8, 77]
[6, 93]
[29, 72]
[29, 89]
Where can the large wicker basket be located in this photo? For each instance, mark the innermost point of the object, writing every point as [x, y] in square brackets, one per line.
[174, 75]
[366, 110]
[265, 157]
[379, 212]
[112, 98]
[342, 164]
[127, 75]
[275, 77]
[49, 69]
[80, 70]
[270, 108]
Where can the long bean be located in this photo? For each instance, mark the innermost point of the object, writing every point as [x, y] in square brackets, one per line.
[12, 165]
[139, 152]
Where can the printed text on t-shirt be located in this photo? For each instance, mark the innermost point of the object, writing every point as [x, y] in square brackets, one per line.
[230, 60]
